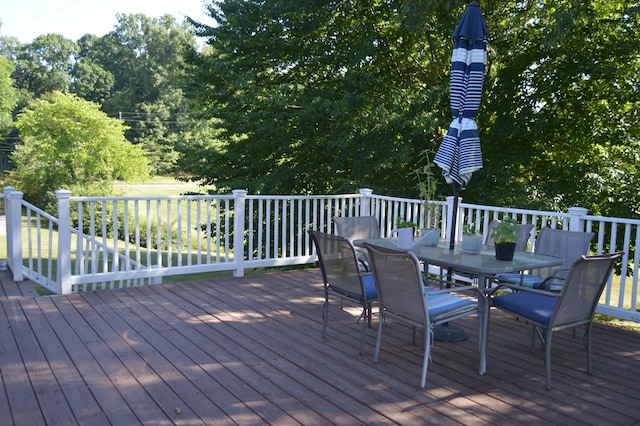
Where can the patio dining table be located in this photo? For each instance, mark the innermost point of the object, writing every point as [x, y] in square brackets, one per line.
[483, 264]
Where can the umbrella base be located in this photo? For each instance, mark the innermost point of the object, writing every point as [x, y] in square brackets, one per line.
[448, 333]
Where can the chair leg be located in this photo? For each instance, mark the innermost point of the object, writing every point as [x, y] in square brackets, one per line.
[587, 335]
[364, 332]
[376, 353]
[547, 357]
[427, 353]
[483, 331]
[325, 317]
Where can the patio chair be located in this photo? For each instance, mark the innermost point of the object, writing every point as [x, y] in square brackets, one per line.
[524, 232]
[403, 297]
[568, 245]
[343, 279]
[358, 228]
[574, 306]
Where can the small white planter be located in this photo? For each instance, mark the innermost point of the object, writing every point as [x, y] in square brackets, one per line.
[471, 244]
[429, 237]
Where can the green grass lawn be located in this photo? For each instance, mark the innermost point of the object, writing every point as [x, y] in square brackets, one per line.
[158, 186]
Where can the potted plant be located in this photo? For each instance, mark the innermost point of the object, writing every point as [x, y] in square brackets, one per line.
[401, 223]
[427, 185]
[505, 236]
[405, 230]
[471, 239]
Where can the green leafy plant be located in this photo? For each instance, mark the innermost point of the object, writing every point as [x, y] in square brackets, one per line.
[506, 231]
[470, 229]
[401, 223]
[427, 185]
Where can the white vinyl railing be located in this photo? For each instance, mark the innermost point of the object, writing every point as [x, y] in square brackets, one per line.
[112, 242]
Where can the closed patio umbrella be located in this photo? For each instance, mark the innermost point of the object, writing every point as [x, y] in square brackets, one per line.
[460, 155]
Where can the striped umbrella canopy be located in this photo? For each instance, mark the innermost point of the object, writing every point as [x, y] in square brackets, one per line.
[459, 154]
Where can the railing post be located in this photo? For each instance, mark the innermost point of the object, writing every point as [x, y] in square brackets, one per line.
[13, 224]
[576, 223]
[63, 276]
[450, 213]
[365, 201]
[238, 230]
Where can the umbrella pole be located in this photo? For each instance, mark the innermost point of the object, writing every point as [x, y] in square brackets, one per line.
[445, 332]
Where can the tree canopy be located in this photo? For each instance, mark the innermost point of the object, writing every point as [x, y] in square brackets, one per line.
[332, 96]
[68, 143]
[8, 96]
[300, 96]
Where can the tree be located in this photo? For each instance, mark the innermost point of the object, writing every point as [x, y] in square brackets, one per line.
[8, 96]
[145, 57]
[330, 97]
[68, 143]
[321, 96]
[45, 64]
[561, 110]
[91, 81]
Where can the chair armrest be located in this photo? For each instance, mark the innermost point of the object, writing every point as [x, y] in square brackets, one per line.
[467, 288]
[521, 288]
[546, 284]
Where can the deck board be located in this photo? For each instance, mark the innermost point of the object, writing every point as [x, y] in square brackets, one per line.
[248, 351]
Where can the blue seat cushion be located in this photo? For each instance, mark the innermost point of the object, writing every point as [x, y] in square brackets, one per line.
[369, 289]
[445, 305]
[528, 280]
[535, 307]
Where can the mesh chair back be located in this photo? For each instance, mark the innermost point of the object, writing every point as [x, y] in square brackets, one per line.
[582, 290]
[489, 239]
[338, 262]
[524, 233]
[399, 283]
[568, 245]
[357, 227]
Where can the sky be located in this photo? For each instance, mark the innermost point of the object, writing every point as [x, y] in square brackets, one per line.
[27, 19]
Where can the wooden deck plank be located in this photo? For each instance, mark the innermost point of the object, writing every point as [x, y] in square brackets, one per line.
[291, 363]
[248, 351]
[359, 381]
[170, 357]
[139, 359]
[84, 407]
[68, 325]
[19, 393]
[226, 337]
[113, 353]
[10, 289]
[51, 401]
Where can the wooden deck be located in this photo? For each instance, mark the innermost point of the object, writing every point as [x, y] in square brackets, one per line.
[248, 351]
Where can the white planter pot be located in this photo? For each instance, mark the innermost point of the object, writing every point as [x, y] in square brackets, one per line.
[471, 244]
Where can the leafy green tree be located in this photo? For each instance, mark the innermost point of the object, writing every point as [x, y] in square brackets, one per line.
[91, 81]
[145, 57]
[8, 96]
[561, 109]
[331, 96]
[45, 64]
[68, 143]
[321, 96]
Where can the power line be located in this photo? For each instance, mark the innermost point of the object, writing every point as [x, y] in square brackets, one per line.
[36, 17]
